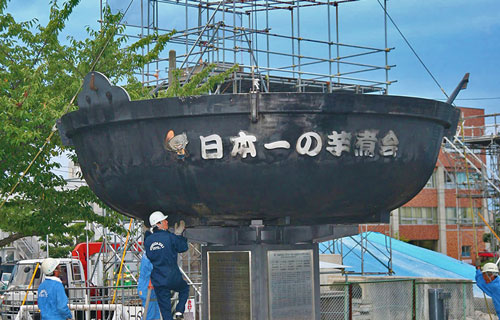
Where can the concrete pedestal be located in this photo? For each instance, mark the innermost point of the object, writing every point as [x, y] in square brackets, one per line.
[263, 272]
[261, 282]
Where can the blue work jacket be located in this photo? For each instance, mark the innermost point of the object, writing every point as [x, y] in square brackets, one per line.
[142, 289]
[52, 300]
[144, 276]
[492, 289]
[162, 248]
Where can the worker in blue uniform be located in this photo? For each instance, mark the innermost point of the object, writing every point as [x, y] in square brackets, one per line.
[487, 279]
[162, 248]
[52, 299]
[143, 285]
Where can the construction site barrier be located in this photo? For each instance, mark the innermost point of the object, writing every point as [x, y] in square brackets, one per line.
[402, 299]
[358, 298]
[89, 303]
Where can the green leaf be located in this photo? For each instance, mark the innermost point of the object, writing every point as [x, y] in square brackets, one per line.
[39, 75]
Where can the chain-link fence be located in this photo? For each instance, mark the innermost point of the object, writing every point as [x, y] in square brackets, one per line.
[484, 308]
[402, 299]
[367, 300]
[457, 298]
[341, 299]
[335, 301]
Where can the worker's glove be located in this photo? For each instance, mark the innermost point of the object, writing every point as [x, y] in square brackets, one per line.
[179, 229]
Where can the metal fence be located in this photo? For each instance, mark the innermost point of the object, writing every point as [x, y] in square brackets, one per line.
[358, 299]
[401, 299]
[483, 309]
[99, 303]
[367, 300]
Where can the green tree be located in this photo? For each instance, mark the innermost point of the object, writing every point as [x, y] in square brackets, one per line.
[39, 76]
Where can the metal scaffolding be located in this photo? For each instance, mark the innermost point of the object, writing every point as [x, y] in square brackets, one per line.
[292, 46]
[485, 140]
[279, 45]
[479, 146]
[362, 248]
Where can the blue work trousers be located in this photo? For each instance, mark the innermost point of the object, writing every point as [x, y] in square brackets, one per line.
[164, 299]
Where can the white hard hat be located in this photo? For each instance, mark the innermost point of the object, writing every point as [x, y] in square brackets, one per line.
[156, 217]
[49, 265]
[490, 267]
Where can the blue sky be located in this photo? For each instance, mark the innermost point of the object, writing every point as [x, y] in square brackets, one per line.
[451, 37]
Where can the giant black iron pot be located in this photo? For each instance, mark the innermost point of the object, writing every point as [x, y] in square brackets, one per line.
[128, 161]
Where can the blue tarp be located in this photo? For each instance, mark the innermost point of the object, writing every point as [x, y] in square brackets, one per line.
[407, 260]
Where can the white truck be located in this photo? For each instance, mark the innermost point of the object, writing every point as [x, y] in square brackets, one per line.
[72, 277]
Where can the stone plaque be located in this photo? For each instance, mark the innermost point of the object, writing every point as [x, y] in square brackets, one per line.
[229, 290]
[291, 284]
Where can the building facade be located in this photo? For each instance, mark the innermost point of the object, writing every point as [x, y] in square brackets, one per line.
[444, 216]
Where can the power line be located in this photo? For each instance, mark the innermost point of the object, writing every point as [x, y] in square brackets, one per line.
[491, 98]
[411, 48]
[475, 99]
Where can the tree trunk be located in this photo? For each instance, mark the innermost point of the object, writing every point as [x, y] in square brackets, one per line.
[11, 238]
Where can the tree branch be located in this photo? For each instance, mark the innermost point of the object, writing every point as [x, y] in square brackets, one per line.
[11, 238]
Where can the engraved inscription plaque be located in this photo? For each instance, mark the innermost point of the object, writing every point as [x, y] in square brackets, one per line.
[229, 290]
[291, 284]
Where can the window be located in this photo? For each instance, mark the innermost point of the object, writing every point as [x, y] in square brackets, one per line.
[64, 274]
[77, 275]
[10, 256]
[454, 180]
[466, 251]
[5, 277]
[451, 216]
[474, 180]
[466, 215]
[23, 273]
[449, 180]
[431, 183]
[417, 215]
[461, 216]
